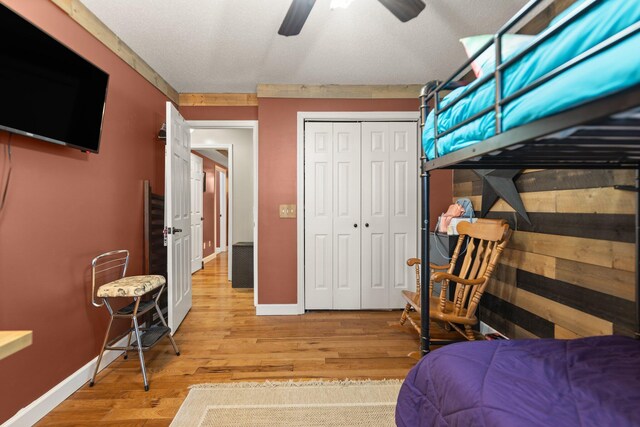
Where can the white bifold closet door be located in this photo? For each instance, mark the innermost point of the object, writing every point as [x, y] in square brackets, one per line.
[332, 216]
[389, 212]
[360, 214]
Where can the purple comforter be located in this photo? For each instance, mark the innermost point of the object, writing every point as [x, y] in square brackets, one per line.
[585, 382]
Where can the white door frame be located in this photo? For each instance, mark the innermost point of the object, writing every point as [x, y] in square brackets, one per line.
[363, 116]
[236, 124]
[223, 195]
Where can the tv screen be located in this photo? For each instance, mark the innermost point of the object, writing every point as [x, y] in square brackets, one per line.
[48, 91]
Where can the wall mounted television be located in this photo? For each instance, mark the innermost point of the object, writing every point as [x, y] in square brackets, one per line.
[48, 91]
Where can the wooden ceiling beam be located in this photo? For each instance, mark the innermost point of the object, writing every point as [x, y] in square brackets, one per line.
[339, 91]
[87, 20]
[218, 100]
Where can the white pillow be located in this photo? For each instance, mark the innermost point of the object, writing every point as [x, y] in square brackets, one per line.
[511, 43]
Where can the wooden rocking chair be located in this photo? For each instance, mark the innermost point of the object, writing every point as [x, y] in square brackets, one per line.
[487, 239]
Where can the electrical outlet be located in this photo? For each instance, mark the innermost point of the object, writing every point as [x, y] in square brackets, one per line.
[287, 211]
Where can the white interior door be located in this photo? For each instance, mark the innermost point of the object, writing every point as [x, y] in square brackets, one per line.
[360, 213]
[332, 216]
[346, 216]
[223, 210]
[177, 216]
[375, 215]
[197, 214]
[389, 212]
[318, 215]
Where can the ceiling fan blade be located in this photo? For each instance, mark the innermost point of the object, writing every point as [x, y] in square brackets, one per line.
[404, 10]
[296, 17]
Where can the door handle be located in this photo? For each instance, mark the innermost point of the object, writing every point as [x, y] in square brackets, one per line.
[366, 224]
[177, 230]
[174, 230]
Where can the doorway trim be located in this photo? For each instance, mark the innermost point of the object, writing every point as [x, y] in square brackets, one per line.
[324, 116]
[237, 124]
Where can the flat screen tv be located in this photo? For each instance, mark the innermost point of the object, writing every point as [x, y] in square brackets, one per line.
[47, 91]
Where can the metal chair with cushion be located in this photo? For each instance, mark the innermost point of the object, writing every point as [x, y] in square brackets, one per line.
[108, 272]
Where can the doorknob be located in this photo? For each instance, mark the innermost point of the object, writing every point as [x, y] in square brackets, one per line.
[366, 224]
[355, 225]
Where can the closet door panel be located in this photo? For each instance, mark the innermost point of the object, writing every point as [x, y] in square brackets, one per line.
[346, 216]
[375, 215]
[403, 206]
[318, 215]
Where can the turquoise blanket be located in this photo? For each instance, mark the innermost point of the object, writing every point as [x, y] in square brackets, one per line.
[610, 71]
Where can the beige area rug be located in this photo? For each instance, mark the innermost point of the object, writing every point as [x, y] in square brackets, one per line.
[297, 404]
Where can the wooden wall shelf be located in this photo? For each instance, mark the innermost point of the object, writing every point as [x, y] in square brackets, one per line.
[13, 341]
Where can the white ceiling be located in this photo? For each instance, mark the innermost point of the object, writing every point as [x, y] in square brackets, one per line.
[232, 45]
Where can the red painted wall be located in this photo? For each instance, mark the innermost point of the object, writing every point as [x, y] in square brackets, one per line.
[210, 205]
[277, 248]
[64, 208]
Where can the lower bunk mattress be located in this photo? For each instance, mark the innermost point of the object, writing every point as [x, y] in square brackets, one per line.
[584, 382]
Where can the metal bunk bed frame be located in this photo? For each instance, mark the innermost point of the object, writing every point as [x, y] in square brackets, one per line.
[603, 133]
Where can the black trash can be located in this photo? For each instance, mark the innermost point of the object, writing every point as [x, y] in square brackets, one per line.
[242, 265]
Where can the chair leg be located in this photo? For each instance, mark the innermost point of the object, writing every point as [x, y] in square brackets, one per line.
[140, 354]
[405, 313]
[173, 343]
[104, 345]
[469, 333]
[126, 352]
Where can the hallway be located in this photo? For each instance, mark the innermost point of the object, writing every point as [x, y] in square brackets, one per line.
[222, 340]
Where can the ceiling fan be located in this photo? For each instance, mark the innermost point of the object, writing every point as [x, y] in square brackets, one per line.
[299, 10]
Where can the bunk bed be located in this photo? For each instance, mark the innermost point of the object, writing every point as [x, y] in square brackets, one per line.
[519, 115]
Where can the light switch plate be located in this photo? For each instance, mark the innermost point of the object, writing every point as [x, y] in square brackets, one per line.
[287, 211]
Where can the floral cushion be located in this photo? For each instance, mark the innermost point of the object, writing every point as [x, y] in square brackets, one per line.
[132, 286]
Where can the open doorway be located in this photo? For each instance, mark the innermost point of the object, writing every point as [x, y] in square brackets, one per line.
[232, 146]
[209, 201]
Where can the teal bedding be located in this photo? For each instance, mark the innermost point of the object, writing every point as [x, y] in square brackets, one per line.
[610, 71]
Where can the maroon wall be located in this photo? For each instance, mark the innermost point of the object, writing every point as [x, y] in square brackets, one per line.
[277, 249]
[64, 208]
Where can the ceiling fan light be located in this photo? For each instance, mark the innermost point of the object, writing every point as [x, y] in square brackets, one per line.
[340, 4]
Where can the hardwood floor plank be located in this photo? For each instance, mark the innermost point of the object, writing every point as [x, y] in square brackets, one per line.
[222, 340]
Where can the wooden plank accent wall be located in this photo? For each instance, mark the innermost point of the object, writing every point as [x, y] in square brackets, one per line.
[571, 272]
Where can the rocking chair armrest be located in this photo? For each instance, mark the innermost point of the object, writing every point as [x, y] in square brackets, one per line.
[439, 267]
[439, 277]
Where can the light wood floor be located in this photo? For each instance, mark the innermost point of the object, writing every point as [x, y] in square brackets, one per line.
[222, 340]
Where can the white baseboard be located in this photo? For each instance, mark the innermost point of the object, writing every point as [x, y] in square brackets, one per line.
[209, 258]
[278, 310]
[40, 407]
